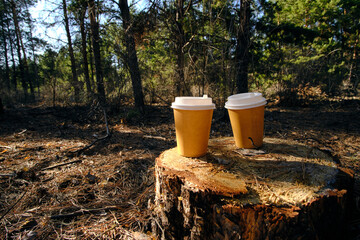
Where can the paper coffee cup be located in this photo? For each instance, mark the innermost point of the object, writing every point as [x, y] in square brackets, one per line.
[193, 117]
[246, 112]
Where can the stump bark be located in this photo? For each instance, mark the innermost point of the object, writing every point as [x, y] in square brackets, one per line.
[284, 190]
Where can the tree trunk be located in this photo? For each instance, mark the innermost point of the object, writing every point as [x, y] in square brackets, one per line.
[1, 107]
[13, 81]
[354, 68]
[91, 60]
[75, 81]
[97, 53]
[242, 46]
[285, 190]
[83, 49]
[14, 75]
[26, 66]
[18, 49]
[179, 44]
[131, 57]
[7, 69]
[33, 79]
[53, 84]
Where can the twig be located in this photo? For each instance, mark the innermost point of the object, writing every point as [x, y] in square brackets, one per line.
[23, 131]
[60, 165]
[164, 101]
[106, 123]
[154, 137]
[13, 206]
[7, 174]
[90, 145]
[108, 134]
[6, 147]
[146, 191]
[249, 152]
[82, 212]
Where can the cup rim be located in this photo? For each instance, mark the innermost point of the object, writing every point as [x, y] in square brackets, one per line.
[193, 107]
[239, 107]
[193, 103]
[245, 101]
[245, 95]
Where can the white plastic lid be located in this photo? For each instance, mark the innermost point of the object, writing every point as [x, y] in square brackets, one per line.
[245, 101]
[193, 103]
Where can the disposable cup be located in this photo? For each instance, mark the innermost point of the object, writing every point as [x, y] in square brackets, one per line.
[246, 112]
[193, 117]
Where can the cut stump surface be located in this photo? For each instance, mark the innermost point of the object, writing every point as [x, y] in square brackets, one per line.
[284, 190]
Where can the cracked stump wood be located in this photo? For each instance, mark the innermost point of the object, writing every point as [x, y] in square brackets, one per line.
[284, 190]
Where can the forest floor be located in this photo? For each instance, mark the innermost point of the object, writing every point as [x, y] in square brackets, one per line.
[58, 182]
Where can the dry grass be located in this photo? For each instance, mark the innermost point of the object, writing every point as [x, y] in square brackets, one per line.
[104, 192]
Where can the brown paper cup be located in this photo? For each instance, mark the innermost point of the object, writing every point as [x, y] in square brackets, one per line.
[248, 126]
[192, 117]
[192, 131]
[246, 112]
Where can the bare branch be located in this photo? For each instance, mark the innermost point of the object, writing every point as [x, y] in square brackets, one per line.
[60, 165]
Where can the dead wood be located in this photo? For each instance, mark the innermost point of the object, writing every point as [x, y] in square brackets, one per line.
[1, 107]
[12, 206]
[6, 147]
[83, 212]
[108, 135]
[285, 190]
[155, 137]
[60, 165]
[156, 95]
[8, 174]
[120, 180]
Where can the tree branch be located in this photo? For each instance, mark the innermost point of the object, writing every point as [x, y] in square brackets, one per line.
[60, 165]
[108, 134]
[82, 212]
[13, 206]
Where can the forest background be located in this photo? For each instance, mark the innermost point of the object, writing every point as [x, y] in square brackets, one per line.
[120, 53]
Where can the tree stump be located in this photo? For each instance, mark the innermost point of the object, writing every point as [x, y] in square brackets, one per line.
[284, 190]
